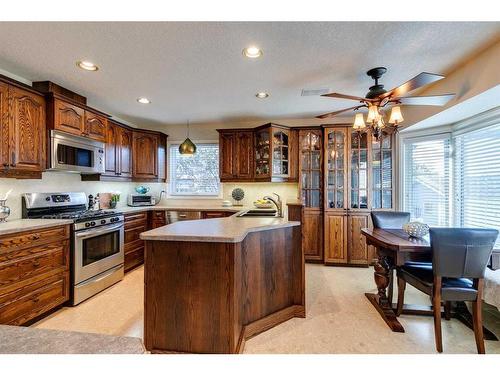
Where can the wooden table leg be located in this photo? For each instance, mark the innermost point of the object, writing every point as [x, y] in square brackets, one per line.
[380, 301]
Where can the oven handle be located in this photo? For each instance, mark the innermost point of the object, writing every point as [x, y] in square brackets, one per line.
[94, 233]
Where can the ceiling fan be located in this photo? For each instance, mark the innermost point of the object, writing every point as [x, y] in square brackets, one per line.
[377, 98]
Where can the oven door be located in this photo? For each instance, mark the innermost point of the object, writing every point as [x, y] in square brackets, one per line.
[76, 154]
[97, 250]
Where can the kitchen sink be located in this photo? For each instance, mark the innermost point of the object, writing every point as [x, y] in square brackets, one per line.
[258, 213]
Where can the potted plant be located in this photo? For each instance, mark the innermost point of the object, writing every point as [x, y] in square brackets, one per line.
[115, 198]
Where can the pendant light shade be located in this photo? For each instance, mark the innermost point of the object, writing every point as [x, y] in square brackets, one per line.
[373, 114]
[359, 123]
[187, 148]
[396, 116]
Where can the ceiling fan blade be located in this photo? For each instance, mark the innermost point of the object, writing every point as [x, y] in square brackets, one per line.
[419, 80]
[436, 100]
[343, 96]
[331, 114]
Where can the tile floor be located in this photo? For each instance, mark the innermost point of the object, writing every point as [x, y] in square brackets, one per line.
[339, 319]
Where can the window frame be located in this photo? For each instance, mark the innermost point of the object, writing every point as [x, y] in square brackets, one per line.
[170, 180]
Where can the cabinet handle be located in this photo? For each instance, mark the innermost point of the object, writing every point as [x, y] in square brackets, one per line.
[35, 237]
[36, 264]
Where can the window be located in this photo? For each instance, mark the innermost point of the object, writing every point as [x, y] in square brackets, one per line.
[477, 178]
[426, 179]
[197, 174]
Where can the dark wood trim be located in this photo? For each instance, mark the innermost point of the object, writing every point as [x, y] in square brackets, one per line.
[20, 85]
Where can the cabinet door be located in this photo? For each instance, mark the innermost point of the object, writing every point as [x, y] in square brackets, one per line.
[4, 126]
[358, 250]
[335, 166]
[145, 163]
[381, 168]
[111, 148]
[125, 152]
[310, 168]
[95, 126]
[69, 118]
[312, 235]
[358, 169]
[27, 129]
[335, 238]
[280, 152]
[227, 155]
[244, 155]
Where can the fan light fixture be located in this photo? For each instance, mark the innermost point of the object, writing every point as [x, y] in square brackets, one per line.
[376, 121]
[187, 148]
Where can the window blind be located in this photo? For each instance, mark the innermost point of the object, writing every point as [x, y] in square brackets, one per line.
[426, 180]
[477, 179]
[197, 174]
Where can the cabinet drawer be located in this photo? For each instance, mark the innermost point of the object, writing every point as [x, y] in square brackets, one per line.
[134, 258]
[29, 302]
[215, 214]
[30, 239]
[39, 260]
[132, 234]
[133, 246]
[135, 219]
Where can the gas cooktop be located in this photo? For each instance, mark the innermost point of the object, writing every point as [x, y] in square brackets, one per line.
[80, 216]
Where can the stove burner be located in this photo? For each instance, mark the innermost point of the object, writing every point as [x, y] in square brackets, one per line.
[79, 216]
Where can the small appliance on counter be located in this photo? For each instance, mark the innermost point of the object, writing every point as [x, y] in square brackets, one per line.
[136, 200]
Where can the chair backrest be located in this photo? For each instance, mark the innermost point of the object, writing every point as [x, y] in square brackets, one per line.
[461, 252]
[389, 219]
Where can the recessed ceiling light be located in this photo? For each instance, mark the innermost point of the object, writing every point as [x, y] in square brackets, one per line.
[87, 65]
[144, 100]
[252, 52]
[262, 95]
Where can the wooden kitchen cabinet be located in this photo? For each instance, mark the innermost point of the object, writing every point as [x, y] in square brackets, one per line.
[34, 273]
[68, 117]
[145, 155]
[158, 219]
[118, 151]
[358, 174]
[95, 126]
[236, 154]
[22, 146]
[135, 224]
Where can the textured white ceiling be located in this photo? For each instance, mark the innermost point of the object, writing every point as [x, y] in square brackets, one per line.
[196, 71]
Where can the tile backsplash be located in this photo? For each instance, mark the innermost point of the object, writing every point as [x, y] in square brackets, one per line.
[60, 182]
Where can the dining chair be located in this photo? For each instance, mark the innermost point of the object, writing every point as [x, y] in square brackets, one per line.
[390, 220]
[459, 260]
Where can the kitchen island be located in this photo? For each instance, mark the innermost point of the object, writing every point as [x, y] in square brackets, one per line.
[212, 284]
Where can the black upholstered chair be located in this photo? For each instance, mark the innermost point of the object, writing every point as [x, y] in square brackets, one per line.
[459, 260]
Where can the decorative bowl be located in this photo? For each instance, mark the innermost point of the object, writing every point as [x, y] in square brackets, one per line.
[263, 205]
[142, 189]
[416, 229]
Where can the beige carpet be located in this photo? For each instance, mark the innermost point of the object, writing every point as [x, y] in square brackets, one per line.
[339, 319]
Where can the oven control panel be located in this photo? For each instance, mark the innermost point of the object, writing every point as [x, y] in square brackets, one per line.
[98, 222]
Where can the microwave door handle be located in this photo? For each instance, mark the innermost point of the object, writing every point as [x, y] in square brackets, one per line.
[85, 234]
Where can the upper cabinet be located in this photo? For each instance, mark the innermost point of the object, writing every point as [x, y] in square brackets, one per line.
[118, 151]
[266, 153]
[74, 119]
[22, 148]
[236, 155]
[145, 155]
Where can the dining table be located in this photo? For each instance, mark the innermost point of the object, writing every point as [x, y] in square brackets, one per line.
[394, 247]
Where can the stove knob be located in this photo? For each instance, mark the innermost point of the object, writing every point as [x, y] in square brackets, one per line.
[87, 225]
[103, 221]
[92, 223]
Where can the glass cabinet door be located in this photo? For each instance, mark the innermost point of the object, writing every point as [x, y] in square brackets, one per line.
[262, 153]
[310, 167]
[382, 172]
[335, 167]
[359, 170]
[280, 152]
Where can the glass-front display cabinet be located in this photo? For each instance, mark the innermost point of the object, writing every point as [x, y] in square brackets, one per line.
[272, 153]
[382, 190]
[358, 167]
[310, 160]
[335, 165]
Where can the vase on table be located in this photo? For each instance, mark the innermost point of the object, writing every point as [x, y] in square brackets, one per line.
[4, 211]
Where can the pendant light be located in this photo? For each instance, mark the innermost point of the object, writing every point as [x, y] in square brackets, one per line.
[187, 148]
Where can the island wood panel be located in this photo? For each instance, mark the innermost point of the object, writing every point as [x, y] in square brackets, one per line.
[207, 297]
[335, 241]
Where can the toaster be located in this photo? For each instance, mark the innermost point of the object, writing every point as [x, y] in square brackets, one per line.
[135, 200]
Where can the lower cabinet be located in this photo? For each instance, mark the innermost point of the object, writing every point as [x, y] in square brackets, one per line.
[135, 224]
[34, 273]
[158, 219]
[344, 242]
[215, 214]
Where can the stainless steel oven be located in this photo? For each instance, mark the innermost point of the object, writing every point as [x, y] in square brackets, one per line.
[72, 153]
[98, 256]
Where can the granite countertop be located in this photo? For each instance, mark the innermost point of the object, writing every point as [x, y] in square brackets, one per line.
[21, 225]
[26, 340]
[229, 229]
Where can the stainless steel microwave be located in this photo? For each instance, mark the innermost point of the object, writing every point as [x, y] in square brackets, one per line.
[72, 153]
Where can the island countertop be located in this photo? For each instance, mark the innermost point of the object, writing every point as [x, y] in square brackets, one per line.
[231, 229]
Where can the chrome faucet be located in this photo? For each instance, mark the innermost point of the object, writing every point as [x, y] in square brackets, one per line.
[278, 203]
